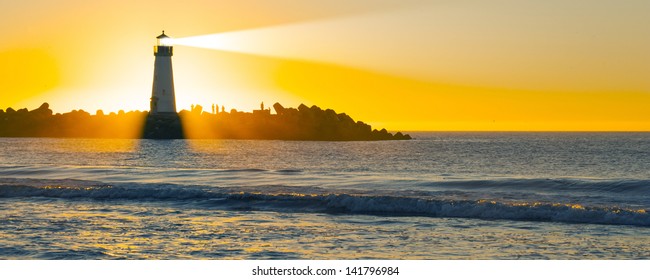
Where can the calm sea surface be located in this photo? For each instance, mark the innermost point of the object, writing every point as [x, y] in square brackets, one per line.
[440, 196]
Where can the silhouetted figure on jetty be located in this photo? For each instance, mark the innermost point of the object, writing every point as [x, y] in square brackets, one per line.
[303, 123]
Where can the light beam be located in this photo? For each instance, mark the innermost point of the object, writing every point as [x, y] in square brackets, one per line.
[454, 44]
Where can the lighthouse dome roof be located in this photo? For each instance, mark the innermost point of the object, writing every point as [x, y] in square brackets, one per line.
[162, 36]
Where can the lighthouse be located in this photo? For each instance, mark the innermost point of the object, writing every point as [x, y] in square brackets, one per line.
[163, 98]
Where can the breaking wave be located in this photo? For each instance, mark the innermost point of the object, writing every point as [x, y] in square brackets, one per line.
[314, 199]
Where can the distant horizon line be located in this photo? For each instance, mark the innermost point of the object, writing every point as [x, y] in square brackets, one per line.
[525, 131]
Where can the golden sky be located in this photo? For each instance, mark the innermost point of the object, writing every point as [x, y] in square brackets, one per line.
[399, 64]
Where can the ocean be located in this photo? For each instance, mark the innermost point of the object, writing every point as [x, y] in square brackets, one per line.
[439, 196]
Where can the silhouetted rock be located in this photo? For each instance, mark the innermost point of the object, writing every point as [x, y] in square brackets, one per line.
[303, 108]
[303, 123]
[279, 109]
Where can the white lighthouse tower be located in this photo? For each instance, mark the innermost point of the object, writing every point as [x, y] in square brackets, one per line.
[163, 98]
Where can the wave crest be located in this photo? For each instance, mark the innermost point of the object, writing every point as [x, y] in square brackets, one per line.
[338, 203]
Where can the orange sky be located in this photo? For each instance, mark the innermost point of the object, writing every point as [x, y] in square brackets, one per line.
[403, 65]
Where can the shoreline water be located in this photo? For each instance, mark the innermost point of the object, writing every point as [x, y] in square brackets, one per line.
[439, 196]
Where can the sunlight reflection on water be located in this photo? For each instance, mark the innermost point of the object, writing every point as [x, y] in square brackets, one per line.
[155, 231]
